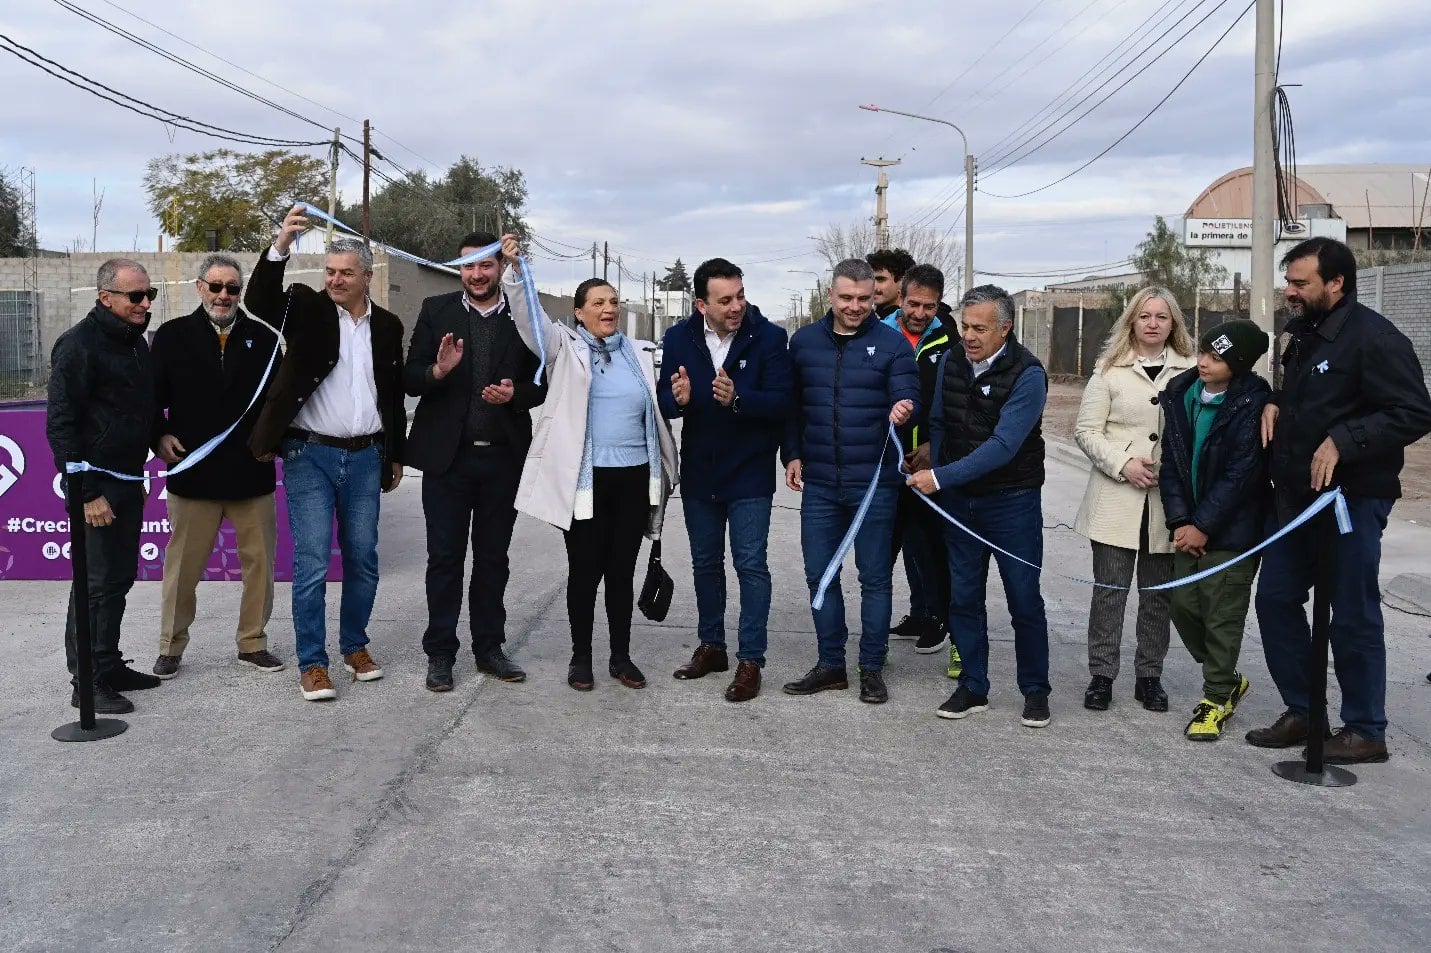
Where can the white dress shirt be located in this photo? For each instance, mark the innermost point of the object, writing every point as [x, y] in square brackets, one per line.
[345, 404]
[981, 366]
[718, 347]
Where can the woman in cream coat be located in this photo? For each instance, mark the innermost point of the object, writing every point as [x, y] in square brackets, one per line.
[602, 462]
[1120, 429]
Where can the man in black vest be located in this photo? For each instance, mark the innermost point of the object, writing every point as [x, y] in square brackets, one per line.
[470, 434]
[986, 453]
[207, 368]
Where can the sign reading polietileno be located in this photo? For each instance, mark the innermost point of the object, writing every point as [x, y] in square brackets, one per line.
[1233, 232]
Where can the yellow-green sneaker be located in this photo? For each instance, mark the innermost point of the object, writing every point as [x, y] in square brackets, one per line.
[1243, 689]
[1207, 719]
[956, 664]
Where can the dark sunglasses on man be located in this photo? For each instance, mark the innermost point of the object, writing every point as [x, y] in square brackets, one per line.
[135, 296]
[232, 288]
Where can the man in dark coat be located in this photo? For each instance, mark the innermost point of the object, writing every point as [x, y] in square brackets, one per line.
[851, 378]
[731, 387]
[208, 368]
[1352, 398]
[335, 412]
[470, 434]
[101, 411]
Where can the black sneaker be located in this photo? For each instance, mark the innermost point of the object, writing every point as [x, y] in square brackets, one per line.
[439, 674]
[908, 628]
[579, 676]
[932, 638]
[818, 679]
[872, 687]
[494, 662]
[1036, 714]
[166, 667]
[263, 660]
[107, 701]
[962, 704]
[126, 679]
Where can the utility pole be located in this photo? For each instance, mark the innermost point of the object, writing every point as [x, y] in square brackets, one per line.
[618, 278]
[968, 221]
[333, 182]
[593, 259]
[367, 169]
[881, 222]
[1264, 186]
[605, 261]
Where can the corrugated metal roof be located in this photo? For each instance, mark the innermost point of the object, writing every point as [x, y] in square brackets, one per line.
[1397, 194]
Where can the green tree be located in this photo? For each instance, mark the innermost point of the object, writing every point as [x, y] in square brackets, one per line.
[676, 278]
[242, 195]
[15, 239]
[1166, 261]
[429, 217]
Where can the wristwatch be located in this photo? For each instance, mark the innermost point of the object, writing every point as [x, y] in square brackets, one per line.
[735, 404]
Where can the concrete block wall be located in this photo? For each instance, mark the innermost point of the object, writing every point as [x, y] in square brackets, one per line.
[1403, 294]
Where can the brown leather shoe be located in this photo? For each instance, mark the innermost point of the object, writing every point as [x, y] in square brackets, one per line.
[745, 685]
[1352, 747]
[361, 666]
[1289, 729]
[706, 659]
[316, 685]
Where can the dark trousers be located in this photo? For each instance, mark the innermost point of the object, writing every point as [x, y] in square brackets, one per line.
[917, 535]
[604, 548]
[1357, 635]
[112, 558]
[475, 497]
[1012, 520]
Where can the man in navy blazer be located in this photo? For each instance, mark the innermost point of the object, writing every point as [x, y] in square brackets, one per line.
[731, 387]
[470, 434]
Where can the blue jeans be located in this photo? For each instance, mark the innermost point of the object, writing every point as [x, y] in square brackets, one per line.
[825, 516]
[321, 481]
[1012, 520]
[1357, 635]
[749, 522]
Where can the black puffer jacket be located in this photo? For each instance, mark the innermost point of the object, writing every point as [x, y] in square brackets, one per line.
[1232, 473]
[101, 396]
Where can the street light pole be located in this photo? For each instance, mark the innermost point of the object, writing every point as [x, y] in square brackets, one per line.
[969, 166]
[819, 289]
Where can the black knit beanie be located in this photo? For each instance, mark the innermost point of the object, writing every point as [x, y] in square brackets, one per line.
[1240, 343]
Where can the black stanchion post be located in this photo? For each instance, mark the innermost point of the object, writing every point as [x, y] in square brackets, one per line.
[88, 728]
[1324, 537]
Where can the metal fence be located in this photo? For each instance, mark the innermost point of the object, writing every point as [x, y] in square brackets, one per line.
[22, 358]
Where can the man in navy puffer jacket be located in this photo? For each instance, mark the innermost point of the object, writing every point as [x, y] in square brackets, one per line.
[731, 387]
[852, 376]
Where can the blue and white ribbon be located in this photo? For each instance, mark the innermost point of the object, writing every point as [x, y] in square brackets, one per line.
[529, 286]
[1333, 498]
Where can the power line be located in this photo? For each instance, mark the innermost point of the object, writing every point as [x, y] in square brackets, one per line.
[1146, 116]
[26, 55]
[1086, 270]
[1008, 158]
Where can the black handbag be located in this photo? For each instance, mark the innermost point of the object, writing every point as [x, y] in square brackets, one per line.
[655, 599]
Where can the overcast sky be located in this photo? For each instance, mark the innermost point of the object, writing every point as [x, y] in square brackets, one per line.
[693, 129]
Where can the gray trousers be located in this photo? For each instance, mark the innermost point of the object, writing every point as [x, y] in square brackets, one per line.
[1114, 565]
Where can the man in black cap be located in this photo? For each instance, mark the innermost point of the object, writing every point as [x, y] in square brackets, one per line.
[1352, 398]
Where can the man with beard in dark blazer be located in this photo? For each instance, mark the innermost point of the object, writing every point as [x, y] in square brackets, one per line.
[469, 437]
[207, 368]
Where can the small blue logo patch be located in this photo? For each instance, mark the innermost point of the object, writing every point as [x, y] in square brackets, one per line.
[1323, 367]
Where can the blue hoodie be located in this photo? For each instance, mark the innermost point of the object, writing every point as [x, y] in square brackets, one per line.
[728, 453]
[843, 395]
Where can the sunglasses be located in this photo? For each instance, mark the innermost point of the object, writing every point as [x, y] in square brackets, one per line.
[135, 296]
[216, 286]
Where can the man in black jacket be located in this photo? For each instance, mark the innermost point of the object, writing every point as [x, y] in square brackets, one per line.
[101, 411]
[335, 412]
[1352, 398]
[208, 367]
[469, 437]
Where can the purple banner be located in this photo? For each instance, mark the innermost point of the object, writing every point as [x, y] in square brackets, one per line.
[35, 529]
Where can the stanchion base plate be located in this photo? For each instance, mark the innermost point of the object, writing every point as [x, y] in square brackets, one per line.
[103, 728]
[1331, 776]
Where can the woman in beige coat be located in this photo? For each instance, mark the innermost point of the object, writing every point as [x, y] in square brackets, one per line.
[602, 462]
[1120, 429]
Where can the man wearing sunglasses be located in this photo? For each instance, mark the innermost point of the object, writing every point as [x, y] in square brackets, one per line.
[207, 368]
[101, 410]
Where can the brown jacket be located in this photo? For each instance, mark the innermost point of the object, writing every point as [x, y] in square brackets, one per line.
[308, 320]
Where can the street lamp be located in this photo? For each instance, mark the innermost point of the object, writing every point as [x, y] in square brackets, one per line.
[968, 187]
